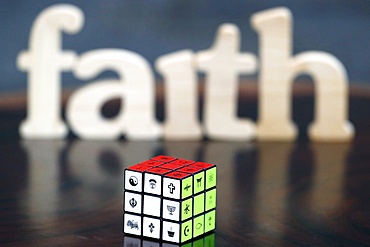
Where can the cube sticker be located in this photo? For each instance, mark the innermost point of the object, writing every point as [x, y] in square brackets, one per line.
[211, 178]
[152, 205]
[210, 221]
[171, 231]
[210, 199]
[152, 183]
[132, 224]
[171, 210]
[198, 204]
[133, 202]
[186, 231]
[198, 226]
[198, 182]
[133, 180]
[170, 199]
[171, 188]
[186, 209]
[151, 227]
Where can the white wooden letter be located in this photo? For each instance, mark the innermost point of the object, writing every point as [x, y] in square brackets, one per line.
[222, 64]
[278, 69]
[135, 87]
[181, 96]
[44, 61]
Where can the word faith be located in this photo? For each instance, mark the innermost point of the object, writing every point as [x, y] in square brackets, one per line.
[222, 63]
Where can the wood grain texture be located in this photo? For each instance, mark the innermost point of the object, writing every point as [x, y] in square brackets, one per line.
[69, 193]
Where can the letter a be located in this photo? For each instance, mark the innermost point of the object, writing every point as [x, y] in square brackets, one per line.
[278, 69]
[135, 87]
[44, 61]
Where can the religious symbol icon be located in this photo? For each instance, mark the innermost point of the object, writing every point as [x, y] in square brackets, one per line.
[210, 178]
[171, 233]
[133, 224]
[186, 231]
[133, 180]
[199, 182]
[171, 187]
[151, 226]
[171, 209]
[198, 226]
[187, 187]
[133, 202]
[152, 183]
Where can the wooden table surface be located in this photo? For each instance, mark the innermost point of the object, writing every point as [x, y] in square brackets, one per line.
[69, 192]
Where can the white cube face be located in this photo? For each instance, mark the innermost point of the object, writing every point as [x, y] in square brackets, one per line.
[171, 188]
[133, 202]
[152, 183]
[152, 205]
[171, 232]
[171, 210]
[132, 224]
[133, 181]
[151, 227]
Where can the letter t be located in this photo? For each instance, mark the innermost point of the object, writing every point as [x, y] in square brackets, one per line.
[223, 63]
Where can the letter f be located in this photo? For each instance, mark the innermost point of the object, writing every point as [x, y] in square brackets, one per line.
[44, 61]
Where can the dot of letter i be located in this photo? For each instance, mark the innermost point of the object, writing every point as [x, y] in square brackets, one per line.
[170, 199]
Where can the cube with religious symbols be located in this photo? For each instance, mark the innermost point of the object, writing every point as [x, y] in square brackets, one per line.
[170, 199]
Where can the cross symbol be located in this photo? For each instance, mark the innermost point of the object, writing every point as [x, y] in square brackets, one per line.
[187, 187]
[151, 226]
[171, 187]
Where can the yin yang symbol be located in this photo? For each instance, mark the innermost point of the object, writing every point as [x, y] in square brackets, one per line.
[133, 180]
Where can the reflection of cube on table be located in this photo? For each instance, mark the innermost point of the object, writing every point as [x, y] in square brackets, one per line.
[170, 199]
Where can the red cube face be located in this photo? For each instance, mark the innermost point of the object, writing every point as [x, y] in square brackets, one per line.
[170, 199]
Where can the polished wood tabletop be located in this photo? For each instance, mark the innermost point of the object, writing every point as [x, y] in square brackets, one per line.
[69, 192]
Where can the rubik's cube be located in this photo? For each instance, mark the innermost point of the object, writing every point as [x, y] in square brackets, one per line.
[170, 199]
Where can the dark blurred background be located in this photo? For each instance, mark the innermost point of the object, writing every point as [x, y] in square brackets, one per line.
[155, 28]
